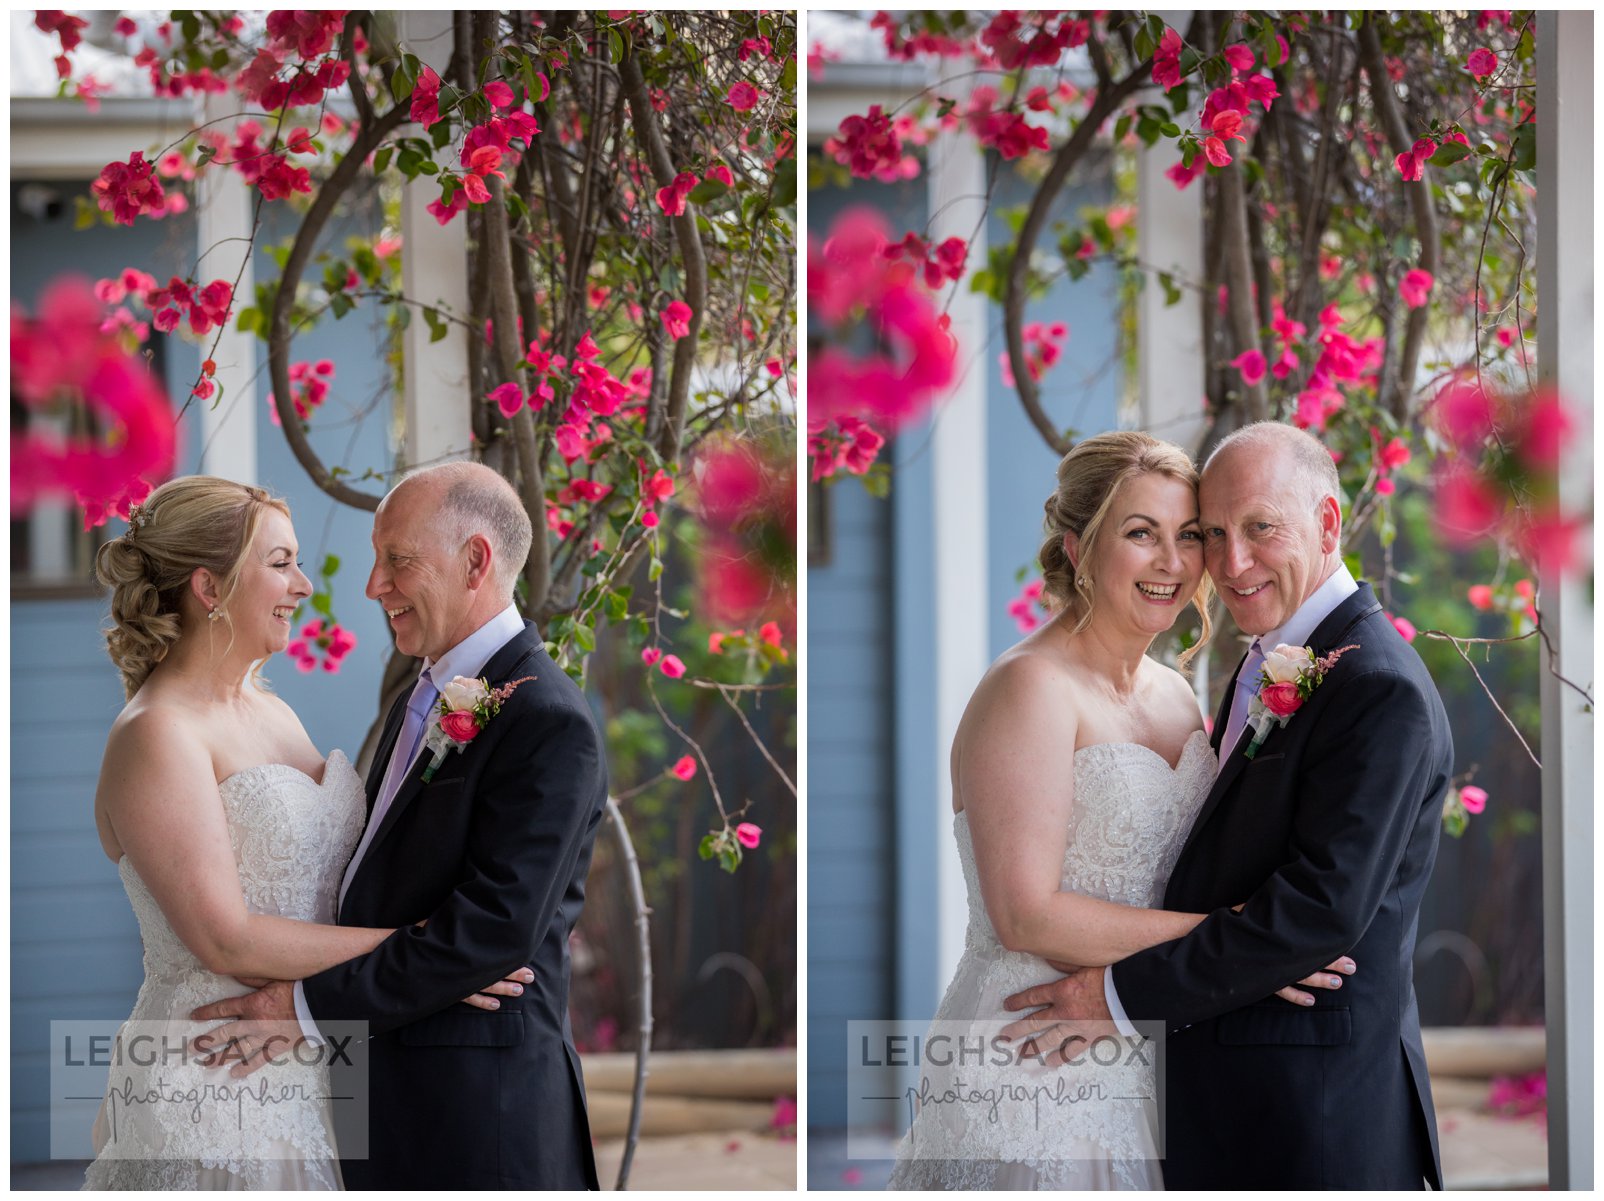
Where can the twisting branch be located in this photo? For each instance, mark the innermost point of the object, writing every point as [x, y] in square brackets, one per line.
[690, 245]
[1419, 193]
[278, 339]
[724, 691]
[1459, 645]
[1107, 101]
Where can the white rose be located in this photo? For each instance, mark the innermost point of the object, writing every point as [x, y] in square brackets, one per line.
[464, 693]
[1282, 665]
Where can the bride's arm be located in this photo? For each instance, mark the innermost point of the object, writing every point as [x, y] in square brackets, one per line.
[1015, 772]
[157, 789]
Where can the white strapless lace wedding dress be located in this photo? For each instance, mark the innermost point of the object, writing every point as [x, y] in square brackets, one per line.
[168, 1124]
[1075, 1128]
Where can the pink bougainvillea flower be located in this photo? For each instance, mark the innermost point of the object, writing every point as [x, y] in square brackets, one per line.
[1467, 510]
[1410, 162]
[743, 97]
[1482, 62]
[426, 98]
[1240, 57]
[1464, 413]
[1415, 287]
[63, 355]
[684, 768]
[748, 835]
[721, 173]
[677, 319]
[1385, 487]
[125, 190]
[672, 198]
[1393, 455]
[499, 94]
[1181, 175]
[509, 398]
[770, 633]
[1548, 427]
[1472, 798]
[868, 145]
[650, 656]
[443, 212]
[1480, 596]
[671, 666]
[1548, 538]
[1252, 366]
[1404, 626]
[659, 487]
[1214, 150]
[1167, 61]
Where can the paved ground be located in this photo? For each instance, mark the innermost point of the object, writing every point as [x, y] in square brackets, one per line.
[1478, 1152]
[701, 1162]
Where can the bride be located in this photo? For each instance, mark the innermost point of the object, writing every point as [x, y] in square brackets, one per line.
[231, 833]
[1065, 863]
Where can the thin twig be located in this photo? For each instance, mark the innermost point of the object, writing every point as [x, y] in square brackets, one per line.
[778, 770]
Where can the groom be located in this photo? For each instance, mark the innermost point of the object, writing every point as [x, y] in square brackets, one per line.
[1328, 832]
[492, 851]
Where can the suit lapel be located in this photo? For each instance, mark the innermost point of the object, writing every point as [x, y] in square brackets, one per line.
[1326, 637]
[498, 671]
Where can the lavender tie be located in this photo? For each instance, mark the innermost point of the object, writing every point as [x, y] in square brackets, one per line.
[1247, 687]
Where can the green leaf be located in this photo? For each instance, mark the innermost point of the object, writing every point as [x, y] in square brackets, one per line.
[1143, 44]
[708, 189]
[655, 571]
[617, 606]
[331, 564]
[323, 603]
[1170, 129]
[615, 43]
[706, 848]
[1172, 294]
[381, 159]
[340, 304]
[1189, 60]
[785, 183]
[1122, 127]
[1525, 147]
[1449, 153]
[249, 320]
[438, 328]
[585, 637]
[729, 857]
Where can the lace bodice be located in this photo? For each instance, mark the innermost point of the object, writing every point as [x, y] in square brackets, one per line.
[1132, 813]
[292, 838]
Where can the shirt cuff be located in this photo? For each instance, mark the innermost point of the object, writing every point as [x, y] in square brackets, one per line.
[304, 1016]
[1115, 1009]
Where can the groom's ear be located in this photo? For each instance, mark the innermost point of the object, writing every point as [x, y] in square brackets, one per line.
[481, 561]
[1330, 518]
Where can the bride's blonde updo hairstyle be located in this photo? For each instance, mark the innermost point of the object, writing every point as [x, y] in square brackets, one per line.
[1089, 477]
[191, 522]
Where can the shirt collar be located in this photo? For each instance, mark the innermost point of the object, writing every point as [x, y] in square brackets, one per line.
[1338, 588]
[468, 657]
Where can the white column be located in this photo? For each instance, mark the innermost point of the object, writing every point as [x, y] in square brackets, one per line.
[223, 205]
[434, 271]
[958, 513]
[1170, 363]
[1169, 339]
[1565, 282]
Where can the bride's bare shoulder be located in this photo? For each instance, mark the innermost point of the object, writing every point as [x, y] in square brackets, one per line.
[1028, 679]
[154, 733]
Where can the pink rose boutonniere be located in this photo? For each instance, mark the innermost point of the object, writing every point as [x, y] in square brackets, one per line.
[466, 707]
[1288, 678]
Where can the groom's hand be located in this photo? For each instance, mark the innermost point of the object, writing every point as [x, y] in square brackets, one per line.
[1069, 1013]
[261, 1028]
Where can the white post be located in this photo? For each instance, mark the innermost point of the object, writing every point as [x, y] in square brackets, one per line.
[1565, 132]
[959, 510]
[1169, 340]
[1170, 363]
[434, 271]
[223, 231]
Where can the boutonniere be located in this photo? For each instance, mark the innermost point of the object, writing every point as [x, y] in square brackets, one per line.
[1288, 678]
[465, 707]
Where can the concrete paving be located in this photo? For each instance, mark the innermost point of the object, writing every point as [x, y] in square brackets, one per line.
[699, 1162]
[1478, 1152]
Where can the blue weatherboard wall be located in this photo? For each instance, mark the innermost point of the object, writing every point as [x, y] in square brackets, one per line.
[852, 711]
[74, 945]
[1081, 391]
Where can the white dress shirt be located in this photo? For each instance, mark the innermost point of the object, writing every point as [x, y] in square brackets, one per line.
[1296, 632]
[467, 658]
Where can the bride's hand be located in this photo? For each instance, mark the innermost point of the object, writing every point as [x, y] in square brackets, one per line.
[1325, 979]
[512, 986]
